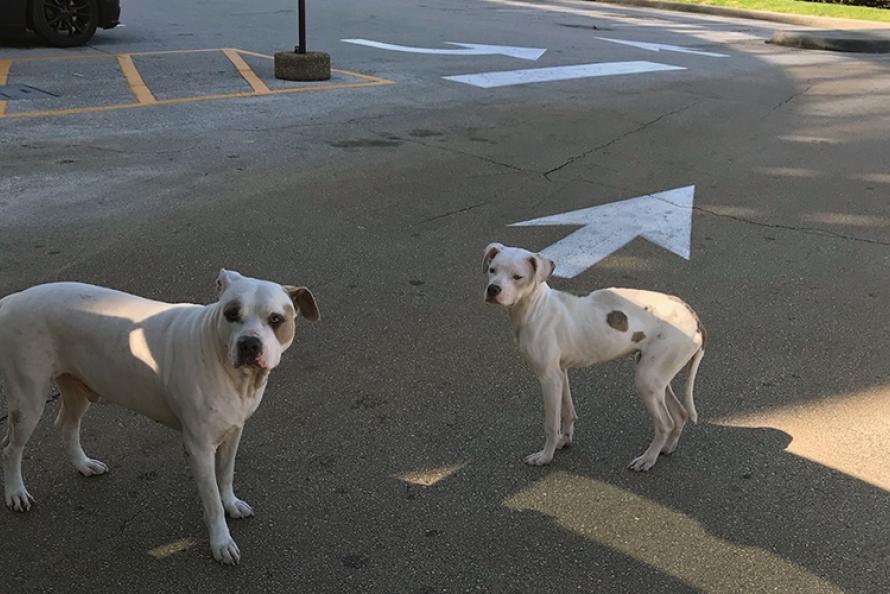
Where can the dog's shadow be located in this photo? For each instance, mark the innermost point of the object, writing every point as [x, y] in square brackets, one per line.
[729, 504]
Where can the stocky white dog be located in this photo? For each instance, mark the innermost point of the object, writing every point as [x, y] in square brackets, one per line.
[200, 369]
[556, 331]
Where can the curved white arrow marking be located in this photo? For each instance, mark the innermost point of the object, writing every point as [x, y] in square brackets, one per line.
[664, 218]
[657, 47]
[470, 49]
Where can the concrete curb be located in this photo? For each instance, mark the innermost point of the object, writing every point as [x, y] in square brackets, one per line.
[838, 41]
[776, 17]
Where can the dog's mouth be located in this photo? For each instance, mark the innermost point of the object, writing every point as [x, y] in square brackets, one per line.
[493, 300]
[253, 364]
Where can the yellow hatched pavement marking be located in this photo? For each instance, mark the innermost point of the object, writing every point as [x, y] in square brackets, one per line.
[245, 71]
[145, 98]
[134, 79]
[5, 65]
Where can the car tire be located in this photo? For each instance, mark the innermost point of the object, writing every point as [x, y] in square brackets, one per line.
[65, 23]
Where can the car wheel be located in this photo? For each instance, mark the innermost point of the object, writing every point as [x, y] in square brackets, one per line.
[65, 23]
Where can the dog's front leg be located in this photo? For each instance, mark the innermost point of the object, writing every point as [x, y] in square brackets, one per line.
[202, 455]
[552, 386]
[568, 414]
[225, 476]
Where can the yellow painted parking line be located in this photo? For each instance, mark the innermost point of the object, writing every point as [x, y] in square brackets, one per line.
[5, 65]
[134, 79]
[367, 77]
[145, 98]
[246, 73]
[255, 54]
[116, 106]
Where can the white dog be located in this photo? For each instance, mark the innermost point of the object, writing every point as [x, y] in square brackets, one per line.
[200, 369]
[556, 331]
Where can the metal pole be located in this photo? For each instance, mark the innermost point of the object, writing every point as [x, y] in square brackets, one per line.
[301, 18]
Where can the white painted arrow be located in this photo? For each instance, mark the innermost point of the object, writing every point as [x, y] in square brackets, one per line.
[470, 49]
[507, 78]
[657, 47]
[664, 218]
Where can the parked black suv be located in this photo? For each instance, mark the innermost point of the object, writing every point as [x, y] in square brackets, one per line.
[62, 23]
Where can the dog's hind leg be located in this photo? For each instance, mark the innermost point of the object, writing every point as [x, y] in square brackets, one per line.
[75, 402]
[27, 398]
[652, 392]
[569, 417]
[659, 363]
[679, 415]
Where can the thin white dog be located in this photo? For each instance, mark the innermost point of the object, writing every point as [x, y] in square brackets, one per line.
[556, 331]
[200, 369]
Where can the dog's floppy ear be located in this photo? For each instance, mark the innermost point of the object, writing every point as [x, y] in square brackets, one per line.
[225, 278]
[491, 250]
[303, 301]
[542, 267]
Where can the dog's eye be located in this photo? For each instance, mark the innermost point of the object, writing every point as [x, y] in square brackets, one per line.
[232, 313]
[491, 270]
[517, 277]
[275, 320]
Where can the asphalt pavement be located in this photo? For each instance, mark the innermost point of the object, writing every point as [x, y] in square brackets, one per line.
[387, 454]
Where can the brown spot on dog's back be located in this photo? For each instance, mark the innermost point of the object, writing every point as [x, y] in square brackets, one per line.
[617, 320]
[638, 336]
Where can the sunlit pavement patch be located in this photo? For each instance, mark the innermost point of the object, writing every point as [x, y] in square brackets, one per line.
[662, 538]
[429, 476]
[847, 433]
[164, 551]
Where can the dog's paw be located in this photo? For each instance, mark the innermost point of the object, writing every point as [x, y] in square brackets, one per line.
[19, 499]
[226, 551]
[238, 509]
[538, 459]
[90, 467]
[642, 464]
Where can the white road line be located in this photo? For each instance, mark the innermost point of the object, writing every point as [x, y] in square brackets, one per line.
[469, 49]
[658, 47]
[506, 78]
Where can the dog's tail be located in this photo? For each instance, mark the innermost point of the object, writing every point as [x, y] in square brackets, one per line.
[688, 402]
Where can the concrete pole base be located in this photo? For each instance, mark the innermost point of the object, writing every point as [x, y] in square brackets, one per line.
[310, 66]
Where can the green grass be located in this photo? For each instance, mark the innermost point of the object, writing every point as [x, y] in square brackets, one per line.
[838, 11]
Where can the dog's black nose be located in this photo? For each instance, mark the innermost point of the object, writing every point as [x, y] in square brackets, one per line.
[493, 291]
[249, 349]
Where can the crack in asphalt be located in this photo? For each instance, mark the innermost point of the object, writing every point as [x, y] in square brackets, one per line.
[622, 136]
[807, 230]
[467, 154]
[126, 523]
[792, 98]
[454, 212]
[572, 159]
